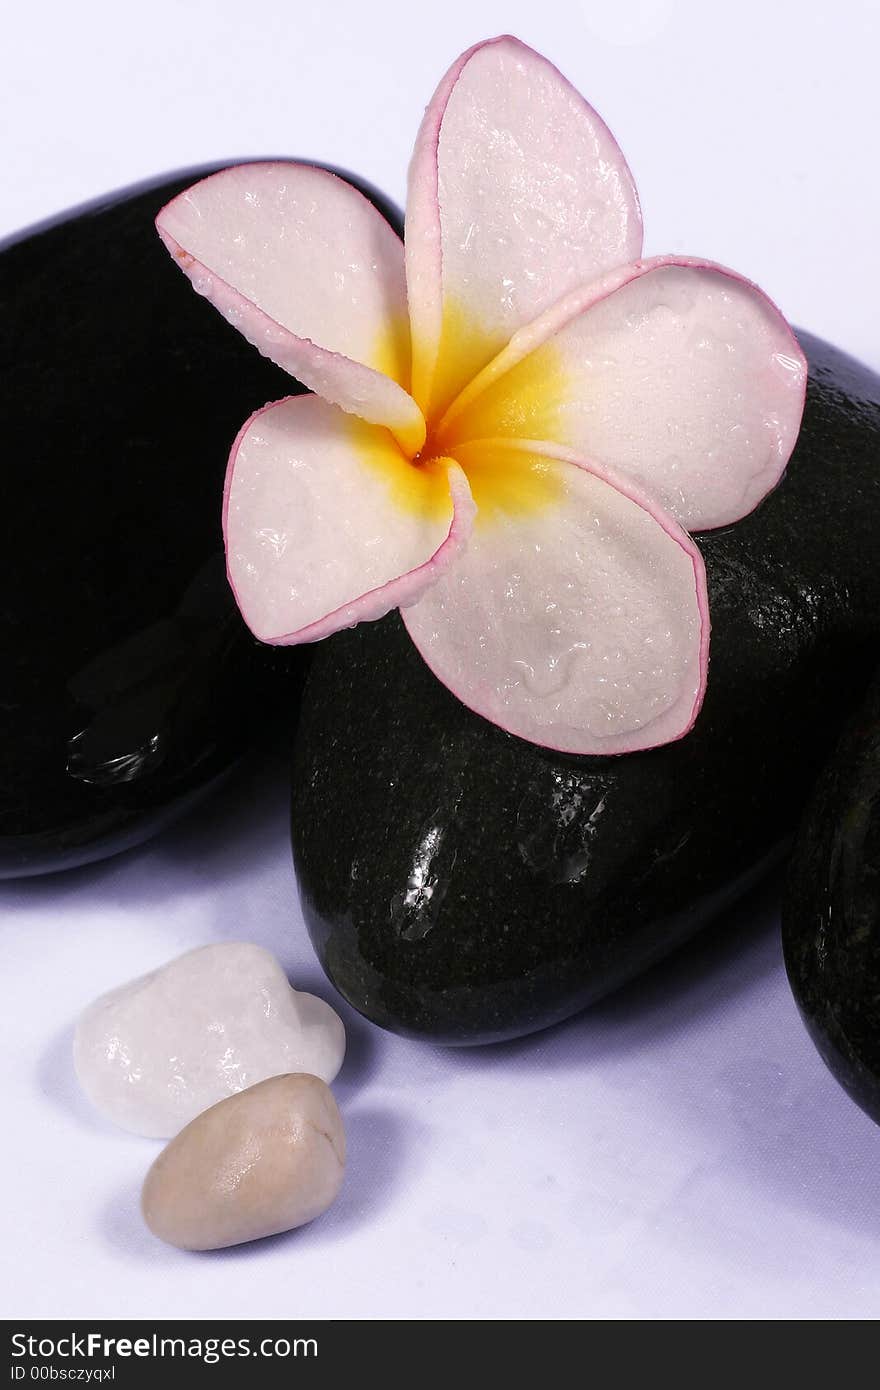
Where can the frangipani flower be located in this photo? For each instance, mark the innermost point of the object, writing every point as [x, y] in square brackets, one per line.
[516, 421]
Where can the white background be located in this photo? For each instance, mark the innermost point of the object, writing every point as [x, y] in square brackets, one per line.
[678, 1152]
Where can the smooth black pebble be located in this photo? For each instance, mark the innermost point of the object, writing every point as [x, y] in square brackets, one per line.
[128, 683]
[831, 913]
[464, 886]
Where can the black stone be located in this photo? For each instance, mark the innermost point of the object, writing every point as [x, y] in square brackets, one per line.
[128, 681]
[831, 911]
[463, 885]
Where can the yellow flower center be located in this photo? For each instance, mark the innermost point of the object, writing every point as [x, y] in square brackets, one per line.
[504, 480]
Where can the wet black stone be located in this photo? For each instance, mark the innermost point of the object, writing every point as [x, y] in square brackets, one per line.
[463, 885]
[128, 682]
[831, 912]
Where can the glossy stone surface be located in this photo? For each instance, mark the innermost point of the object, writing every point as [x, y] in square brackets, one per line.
[831, 912]
[260, 1162]
[128, 682]
[157, 1051]
[465, 886]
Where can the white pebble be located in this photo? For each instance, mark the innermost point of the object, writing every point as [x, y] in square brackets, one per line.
[154, 1053]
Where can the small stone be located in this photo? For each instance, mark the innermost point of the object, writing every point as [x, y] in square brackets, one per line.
[156, 1052]
[263, 1161]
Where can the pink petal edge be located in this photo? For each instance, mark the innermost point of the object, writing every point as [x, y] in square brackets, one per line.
[563, 313]
[569, 306]
[423, 235]
[675, 532]
[376, 603]
[352, 385]
[626, 743]
[423, 238]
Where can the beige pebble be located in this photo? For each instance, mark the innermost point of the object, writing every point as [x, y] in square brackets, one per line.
[265, 1160]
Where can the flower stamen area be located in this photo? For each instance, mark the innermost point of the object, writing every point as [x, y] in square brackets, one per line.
[505, 480]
